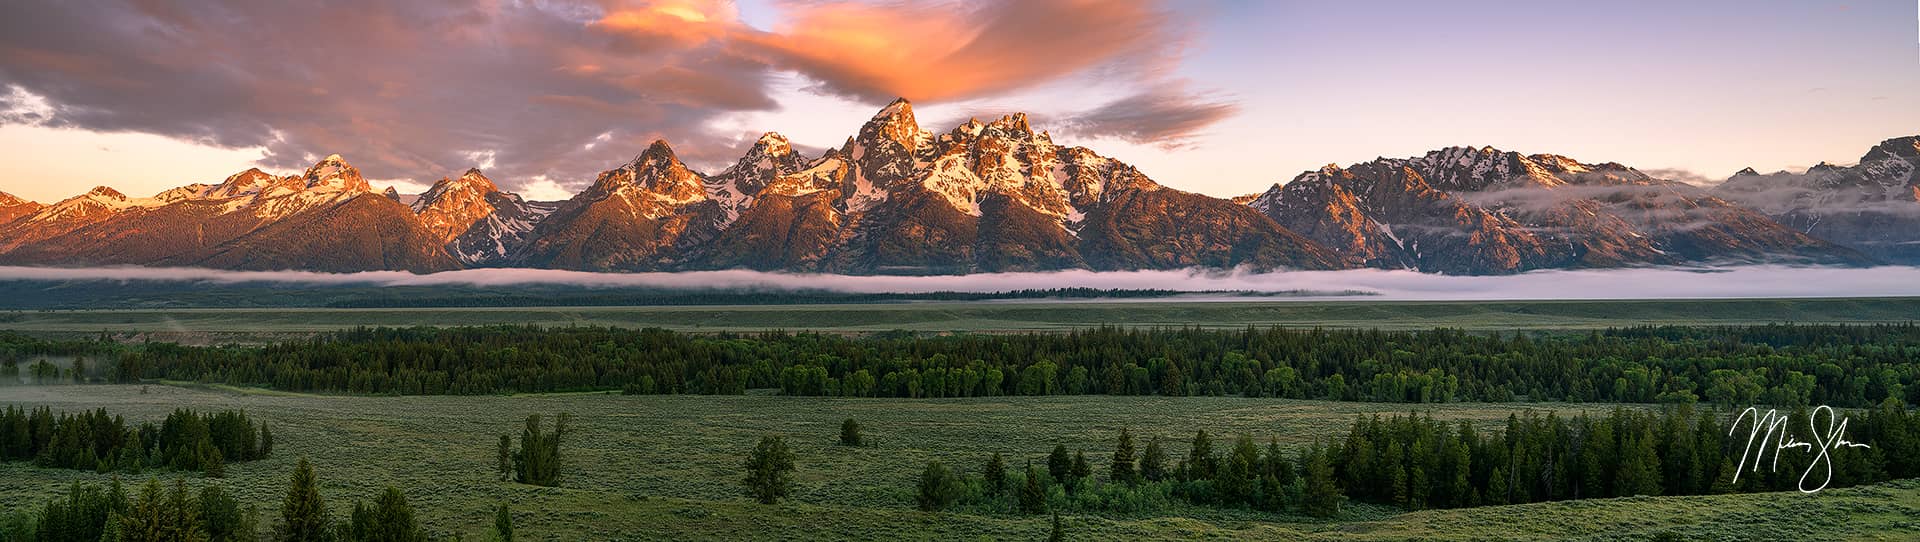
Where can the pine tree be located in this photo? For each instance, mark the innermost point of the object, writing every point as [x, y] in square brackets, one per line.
[392, 519]
[538, 462]
[1323, 496]
[147, 520]
[1201, 463]
[849, 433]
[769, 470]
[938, 487]
[1153, 462]
[183, 516]
[505, 466]
[1059, 463]
[212, 463]
[1236, 479]
[1056, 535]
[266, 441]
[223, 517]
[1122, 470]
[1080, 473]
[1276, 473]
[503, 524]
[1497, 490]
[1033, 496]
[1639, 470]
[996, 474]
[303, 515]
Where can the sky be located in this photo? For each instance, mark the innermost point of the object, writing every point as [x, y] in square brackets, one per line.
[1221, 98]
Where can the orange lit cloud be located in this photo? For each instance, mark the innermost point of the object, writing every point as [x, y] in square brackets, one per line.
[662, 24]
[928, 50]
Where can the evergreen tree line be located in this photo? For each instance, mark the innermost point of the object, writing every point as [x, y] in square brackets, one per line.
[96, 513]
[1245, 476]
[105, 513]
[98, 441]
[1787, 365]
[1416, 462]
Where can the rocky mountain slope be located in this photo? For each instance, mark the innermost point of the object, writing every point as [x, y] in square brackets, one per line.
[991, 196]
[1872, 207]
[1484, 211]
[12, 207]
[324, 219]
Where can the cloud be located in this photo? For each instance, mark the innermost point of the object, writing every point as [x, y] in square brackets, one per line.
[1167, 116]
[1829, 191]
[876, 52]
[403, 89]
[558, 89]
[1681, 175]
[1644, 283]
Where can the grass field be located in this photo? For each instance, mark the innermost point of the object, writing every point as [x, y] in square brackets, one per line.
[175, 324]
[666, 468]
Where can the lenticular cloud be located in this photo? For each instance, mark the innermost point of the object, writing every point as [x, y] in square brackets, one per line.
[1649, 283]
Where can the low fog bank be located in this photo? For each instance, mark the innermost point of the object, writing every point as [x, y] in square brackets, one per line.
[1645, 283]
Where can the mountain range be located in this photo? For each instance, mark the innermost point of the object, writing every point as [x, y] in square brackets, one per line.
[996, 196]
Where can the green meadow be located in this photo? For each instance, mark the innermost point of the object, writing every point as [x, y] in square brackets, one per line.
[668, 468]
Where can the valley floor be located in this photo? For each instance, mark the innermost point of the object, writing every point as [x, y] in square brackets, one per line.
[667, 468]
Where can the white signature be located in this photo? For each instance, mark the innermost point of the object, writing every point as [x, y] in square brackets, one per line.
[1774, 423]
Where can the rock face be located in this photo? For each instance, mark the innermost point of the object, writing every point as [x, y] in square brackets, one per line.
[650, 214]
[1870, 207]
[474, 220]
[1484, 211]
[993, 196]
[13, 207]
[325, 219]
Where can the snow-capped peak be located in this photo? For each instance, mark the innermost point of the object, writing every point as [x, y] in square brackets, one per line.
[895, 123]
[97, 202]
[654, 185]
[770, 157]
[334, 174]
[899, 107]
[1899, 147]
[773, 143]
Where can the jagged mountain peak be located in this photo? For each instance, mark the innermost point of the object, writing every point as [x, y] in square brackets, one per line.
[105, 192]
[770, 157]
[10, 200]
[894, 123]
[1746, 172]
[1016, 122]
[772, 143]
[334, 173]
[392, 194]
[471, 181]
[659, 155]
[245, 183]
[1899, 147]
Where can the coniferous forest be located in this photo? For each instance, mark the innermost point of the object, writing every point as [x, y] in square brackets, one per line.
[98, 441]
[1786, 365]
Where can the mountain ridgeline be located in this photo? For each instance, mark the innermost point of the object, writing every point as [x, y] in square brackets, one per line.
[995, 197]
